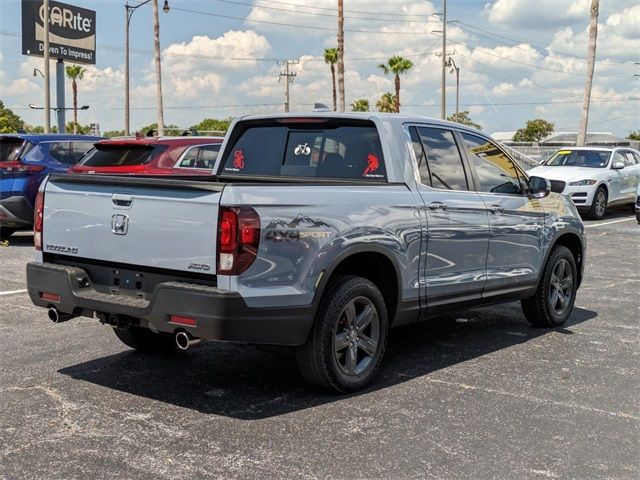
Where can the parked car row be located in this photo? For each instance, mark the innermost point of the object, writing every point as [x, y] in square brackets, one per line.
[25, 160]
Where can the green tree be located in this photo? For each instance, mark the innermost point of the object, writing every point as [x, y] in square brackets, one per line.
[360, 105]
[634, 135]
[463, 119]
[80, 129]
[152, 129]
[331, 58]
[534, 131]
[33, 128]
[387, 103]
[113, 133]
[9, 121]
[75, 73]
[212, 125]
[396, 65]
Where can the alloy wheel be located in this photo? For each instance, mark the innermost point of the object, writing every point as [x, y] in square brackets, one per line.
[601, 203]
[561, 288]
[356, 336]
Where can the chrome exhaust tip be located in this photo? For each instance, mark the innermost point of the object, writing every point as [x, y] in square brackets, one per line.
[56, 317]
[184, 340]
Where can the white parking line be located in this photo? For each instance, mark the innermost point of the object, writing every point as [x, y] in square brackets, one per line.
[609, 223]
[11, 292]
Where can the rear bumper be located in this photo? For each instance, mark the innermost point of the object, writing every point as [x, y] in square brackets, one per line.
[219, 315]
[16, 212]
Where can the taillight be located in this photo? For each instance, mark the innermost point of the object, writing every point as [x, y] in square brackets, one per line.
[18, 166]
[238, 239]
[38, 213]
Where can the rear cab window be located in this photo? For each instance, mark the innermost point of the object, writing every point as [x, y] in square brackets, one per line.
[315, 147]
[119, 155]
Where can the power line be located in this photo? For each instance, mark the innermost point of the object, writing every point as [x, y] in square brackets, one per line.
[302, 12]
[349, 11]
[292, 25]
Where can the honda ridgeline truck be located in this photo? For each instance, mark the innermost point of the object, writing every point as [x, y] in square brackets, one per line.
[318, 232]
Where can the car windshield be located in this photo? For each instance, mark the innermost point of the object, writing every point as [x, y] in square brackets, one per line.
[107, 155]
[579, 158]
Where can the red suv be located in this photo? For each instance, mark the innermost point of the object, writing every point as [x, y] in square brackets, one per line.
[152, 156]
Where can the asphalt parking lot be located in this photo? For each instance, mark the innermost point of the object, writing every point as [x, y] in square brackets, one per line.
[483, 395]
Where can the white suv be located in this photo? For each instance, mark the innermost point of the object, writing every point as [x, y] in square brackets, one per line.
[594, 177]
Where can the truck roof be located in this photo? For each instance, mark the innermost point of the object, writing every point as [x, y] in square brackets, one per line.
[393, 118]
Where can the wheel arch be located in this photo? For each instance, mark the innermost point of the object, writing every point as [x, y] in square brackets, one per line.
[372, 262]
[572, 241]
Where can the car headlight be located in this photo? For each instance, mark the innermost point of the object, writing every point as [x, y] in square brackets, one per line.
[582, 183]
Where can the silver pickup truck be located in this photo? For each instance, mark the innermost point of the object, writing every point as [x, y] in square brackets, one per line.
[318, 232]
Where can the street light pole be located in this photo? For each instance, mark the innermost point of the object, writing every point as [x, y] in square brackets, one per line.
[47, 91]
[128, 12]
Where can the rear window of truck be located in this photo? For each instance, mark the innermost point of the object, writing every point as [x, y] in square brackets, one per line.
[321, 150]
[121, 155]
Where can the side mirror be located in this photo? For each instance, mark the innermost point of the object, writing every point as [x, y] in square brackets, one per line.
[539, 187]
[617, 165]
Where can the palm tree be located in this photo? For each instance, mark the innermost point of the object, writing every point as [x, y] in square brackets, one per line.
[591, 60]
[341, 53]
[387, 103]
[331, 57]
[75, 73]
[360, 105]
[396, 65]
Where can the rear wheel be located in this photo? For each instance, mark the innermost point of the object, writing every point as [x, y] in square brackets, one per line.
[349, 337]
[599, 205]
[6, 232]
[145, 340]
[553, 301]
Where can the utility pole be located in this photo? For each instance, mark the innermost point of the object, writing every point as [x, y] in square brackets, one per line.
[156, 48]
[591, 62]
[340, 41]
[443, 95]
[288, 78]
[47, 78]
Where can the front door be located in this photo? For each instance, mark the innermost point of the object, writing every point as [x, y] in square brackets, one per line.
[458, 229]
[516, 222]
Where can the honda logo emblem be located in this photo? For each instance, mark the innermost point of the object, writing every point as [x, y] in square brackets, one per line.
[120, 224]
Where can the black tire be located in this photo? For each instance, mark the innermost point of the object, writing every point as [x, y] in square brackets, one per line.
[334, 337]
[6, 232]
[542, 308]
[145, 340]
[596, 212]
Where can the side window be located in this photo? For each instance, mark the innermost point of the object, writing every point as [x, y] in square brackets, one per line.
[496, 172]
[629, 159]
[61, 151]
[207, 156]
[78, 149]
[443, 159]
[190, 158]
[423, 166]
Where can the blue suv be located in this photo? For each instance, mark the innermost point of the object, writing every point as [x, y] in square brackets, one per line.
[25, 160]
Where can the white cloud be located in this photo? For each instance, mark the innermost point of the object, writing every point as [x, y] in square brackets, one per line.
[535, 15]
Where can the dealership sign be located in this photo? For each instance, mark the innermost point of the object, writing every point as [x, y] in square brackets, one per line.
[72, 31]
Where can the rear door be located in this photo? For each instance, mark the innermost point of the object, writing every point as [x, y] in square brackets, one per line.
[515, 221]
[458, 229]
[151, 222]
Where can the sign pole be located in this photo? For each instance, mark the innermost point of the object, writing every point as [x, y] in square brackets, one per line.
[47, 93]
[60, 96]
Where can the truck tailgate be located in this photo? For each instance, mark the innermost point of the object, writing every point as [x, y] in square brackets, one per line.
[163, 223]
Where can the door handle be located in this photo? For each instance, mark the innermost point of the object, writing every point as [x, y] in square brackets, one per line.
[496, 209]
[122, 200]
[437, 206]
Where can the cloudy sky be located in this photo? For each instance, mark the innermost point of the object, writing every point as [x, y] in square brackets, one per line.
[518, 59]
